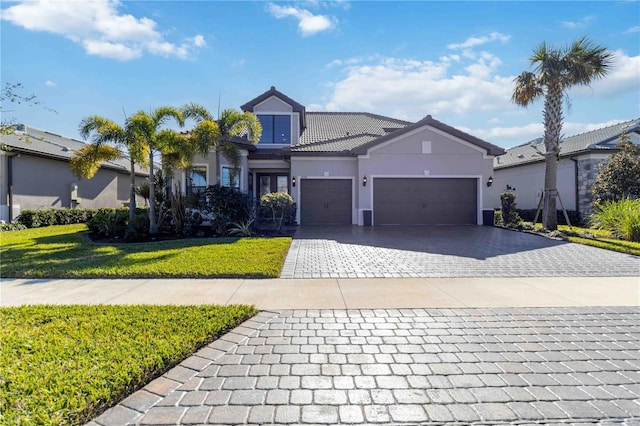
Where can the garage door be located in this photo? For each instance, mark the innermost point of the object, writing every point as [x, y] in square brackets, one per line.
[325, 201]
[426, 201]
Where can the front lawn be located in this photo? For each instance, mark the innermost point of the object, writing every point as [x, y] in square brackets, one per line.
[64, 365]
[66, 252]
[597, 238]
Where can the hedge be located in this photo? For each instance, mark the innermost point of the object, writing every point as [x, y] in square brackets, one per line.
[49, 217]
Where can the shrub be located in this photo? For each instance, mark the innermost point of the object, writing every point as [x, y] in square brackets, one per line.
[619, 177]
[528, 215]
[242, 229]
[621, 218]
[509, 214]
[12, 227]
[108, 223]
[225, 206]
[279, 203]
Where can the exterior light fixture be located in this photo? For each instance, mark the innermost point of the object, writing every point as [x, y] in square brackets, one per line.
[293, 181]
[490, 181]
[364, 180]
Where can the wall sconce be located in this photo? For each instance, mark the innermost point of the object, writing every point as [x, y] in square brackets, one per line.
[293, 181]
[364, 180]
[490, 181]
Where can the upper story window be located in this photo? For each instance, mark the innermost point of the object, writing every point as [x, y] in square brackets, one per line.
[275, 128]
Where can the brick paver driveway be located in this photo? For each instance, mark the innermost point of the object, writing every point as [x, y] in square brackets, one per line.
[468, 366]
[443, 251]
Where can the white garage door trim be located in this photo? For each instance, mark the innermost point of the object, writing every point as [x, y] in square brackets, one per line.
[299, 180]
[478, 178]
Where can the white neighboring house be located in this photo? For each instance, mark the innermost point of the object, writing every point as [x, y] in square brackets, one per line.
[347, 168]
[521, 168]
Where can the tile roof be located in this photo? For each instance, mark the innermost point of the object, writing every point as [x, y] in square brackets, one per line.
[595, 140]
[42, 143]
[327, 126]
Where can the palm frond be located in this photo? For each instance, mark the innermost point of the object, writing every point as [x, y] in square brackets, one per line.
[196, 112]
[87, 160]
[527, 89]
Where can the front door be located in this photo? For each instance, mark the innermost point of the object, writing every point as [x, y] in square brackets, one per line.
[272, 182]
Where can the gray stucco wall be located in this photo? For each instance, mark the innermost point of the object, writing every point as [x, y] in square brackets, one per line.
[41, 183]
[529, 183]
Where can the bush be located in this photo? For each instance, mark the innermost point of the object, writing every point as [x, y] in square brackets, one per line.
[225, 206]
[621, 218]
[12, 227]
[49, 217]
[509, 214]
[114, 223]
[528, 215]
[279, 203]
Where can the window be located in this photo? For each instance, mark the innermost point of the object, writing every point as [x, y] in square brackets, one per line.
[196, 179]
[229, 178]
[275, 128]
[272, 182]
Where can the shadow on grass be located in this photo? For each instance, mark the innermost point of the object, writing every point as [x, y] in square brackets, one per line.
[74, 255]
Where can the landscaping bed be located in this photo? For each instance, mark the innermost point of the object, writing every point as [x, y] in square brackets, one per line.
[64, 365]
[67, 252]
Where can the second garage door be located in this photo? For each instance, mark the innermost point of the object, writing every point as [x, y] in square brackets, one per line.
[424, 201]
[325, 201]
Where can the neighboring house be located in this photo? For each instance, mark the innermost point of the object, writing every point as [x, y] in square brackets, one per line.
[521, 168]
[360, 168]
[35, 174]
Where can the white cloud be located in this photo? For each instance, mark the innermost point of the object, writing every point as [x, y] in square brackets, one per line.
[99, 27]
[50, 83]
[516, 135]
[308, 23]
[477, 41]
[633, 30]
[410, 89]
[622, 78]
[581, 23]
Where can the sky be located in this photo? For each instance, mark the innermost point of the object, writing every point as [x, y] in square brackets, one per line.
[453, 60]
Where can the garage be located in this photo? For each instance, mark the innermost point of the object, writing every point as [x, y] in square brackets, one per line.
[425, 201]
[325, 201]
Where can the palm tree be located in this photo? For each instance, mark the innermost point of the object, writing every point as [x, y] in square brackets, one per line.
[109, 142]
[555, 71]
[234, 124]
[148, 128]
[217, 134]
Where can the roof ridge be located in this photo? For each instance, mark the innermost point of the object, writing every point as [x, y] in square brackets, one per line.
[341, 138]
[368, 114]
[637, 120]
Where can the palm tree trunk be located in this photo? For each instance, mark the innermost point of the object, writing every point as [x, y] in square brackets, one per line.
[132, 193]
[552, 129]
[153, 224]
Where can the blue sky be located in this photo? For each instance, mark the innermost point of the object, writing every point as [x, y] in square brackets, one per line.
[453, 60]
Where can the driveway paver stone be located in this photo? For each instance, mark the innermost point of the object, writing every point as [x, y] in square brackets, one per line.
[444, 251]
[535, 366]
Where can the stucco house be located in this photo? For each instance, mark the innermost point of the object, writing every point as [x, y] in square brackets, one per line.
[35, 174]
[521, 168]
[360, 168]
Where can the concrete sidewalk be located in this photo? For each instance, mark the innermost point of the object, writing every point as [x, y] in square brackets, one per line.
[331, 293]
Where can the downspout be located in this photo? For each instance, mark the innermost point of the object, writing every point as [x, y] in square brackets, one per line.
[10, 186]
[577, 189]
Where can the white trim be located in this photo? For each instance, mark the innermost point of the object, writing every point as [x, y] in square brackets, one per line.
[207, 177]
[354, 220]
[478, 178]
[483, 151]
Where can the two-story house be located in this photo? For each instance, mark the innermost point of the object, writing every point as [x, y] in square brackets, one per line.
[360, 168]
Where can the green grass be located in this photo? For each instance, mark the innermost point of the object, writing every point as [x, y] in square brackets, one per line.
[600, 238]
[66, 252]
[63, 365]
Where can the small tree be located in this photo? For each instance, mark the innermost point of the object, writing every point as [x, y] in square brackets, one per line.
[279, 203]
[509, 214]
[619, 177]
